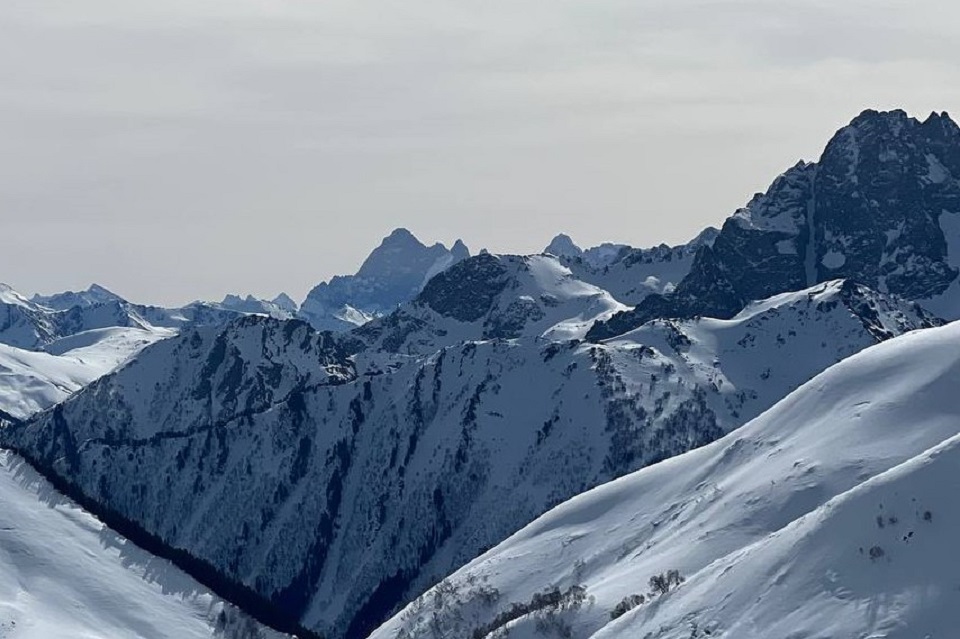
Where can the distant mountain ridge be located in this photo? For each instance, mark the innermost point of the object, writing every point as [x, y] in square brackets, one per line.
[631, 274]
[35, 323]
[394, 273]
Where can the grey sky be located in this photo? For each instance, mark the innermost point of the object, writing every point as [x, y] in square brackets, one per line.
[176, 149]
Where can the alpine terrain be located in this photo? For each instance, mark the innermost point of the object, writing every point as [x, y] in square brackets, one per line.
[830, 515]
[748, 435]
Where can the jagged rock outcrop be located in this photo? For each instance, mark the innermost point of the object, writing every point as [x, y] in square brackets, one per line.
[881, 206]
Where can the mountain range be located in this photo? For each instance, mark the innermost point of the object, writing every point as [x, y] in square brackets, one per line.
[700, 414]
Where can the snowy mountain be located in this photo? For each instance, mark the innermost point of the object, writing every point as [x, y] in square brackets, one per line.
[31, 381]
[22, 323]
[34, 325]
[881, 206]
[340, 482]
[630, 274]
[492, 297]
[563, 246]
[282, 307]
[394, 273]
[95, 295]
[833, 514]
[63, 574]
[336, 476]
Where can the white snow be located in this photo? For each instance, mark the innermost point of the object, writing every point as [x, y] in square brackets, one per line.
[787, 247]
[9, 296]
[31, 381]
[947, 304]
[833, 259]
[936, 172]
[772, 526]
[64, 575]
[544, 299]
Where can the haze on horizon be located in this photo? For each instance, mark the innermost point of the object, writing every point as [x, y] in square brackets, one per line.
[180, 150]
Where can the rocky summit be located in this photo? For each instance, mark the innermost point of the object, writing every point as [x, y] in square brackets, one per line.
[881, 206]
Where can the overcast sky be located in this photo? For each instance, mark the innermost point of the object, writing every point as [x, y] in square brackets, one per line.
[182, 149]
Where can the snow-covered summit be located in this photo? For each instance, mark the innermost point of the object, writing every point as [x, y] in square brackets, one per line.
[493, 296]
[8, 295]
[94, 295]
[33, 324]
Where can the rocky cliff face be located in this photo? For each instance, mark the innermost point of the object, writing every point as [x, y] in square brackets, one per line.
[881, 206]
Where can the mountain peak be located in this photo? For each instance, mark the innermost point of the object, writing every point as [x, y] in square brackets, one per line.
[459, 250]
[401, 236]
[873, 117]
[394, 273]
[9, 295]
[285, 302]
[563, 246]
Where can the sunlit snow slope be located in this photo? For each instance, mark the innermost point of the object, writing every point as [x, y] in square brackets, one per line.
[833, 514]
[31, 381]
[63, 574]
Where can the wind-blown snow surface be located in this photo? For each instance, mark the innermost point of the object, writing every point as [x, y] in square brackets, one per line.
[64, 575]
[31, 381]
[341, 487]
[833, 514]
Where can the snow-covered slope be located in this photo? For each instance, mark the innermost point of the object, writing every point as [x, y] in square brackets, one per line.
[392, 274]
[489, 297]
[64, 575]
[22, 323]
[31, 381]
[342, 486]
[833, 514]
